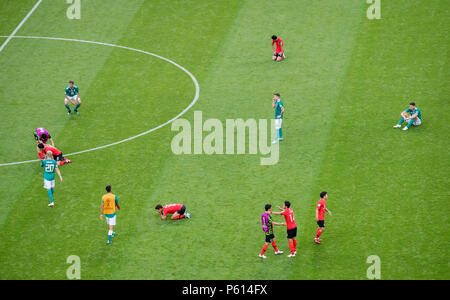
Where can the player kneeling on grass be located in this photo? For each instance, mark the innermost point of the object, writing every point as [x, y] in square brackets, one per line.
[278, 51]
[57, 154]
[267, 227]
[108, 207]
[412, 115]
[72, 96]
[50, 166]
[178, 211]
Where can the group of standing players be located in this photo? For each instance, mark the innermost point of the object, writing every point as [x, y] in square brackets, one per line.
[288, 213]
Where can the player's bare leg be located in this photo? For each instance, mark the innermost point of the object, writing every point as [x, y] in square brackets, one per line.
[274, 57]
[177, 216]
[77, 105]
[66, 104]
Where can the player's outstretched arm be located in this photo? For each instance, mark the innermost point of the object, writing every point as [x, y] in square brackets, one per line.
[59, 174]
[101, 211]
[328, 211]
[279, 224]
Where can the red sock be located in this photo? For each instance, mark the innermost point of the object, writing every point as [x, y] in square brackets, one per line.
[318, 233]
[274, 245]
[291, 247]
[295, 245]
[264, 248]
[179, 217]
[60, 163]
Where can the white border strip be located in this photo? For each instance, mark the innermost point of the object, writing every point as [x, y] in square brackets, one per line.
[197, 93]
[20, 25]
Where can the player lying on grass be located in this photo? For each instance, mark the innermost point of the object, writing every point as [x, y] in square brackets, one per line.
[72, 96]
[278, 51]
[291, 226]
[50, 166]
[41, 135]
[57, 154]
[178, 211]
[108, 207]
[320, 216]
[267, 227]
[412, 115]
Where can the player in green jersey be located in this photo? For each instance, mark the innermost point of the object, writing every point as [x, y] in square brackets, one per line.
[279, 112]
[50, 166]
[72, 96]
[412, 115]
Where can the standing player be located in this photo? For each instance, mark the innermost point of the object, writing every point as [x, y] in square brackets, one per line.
[288, 214]
[320, 216]
[108, 207]
[278, 51]
[267, 227]
[50, 165]
[279, 112]
[41, 135]
[412, 115]
[72, 96]
[57, 154]
[178, 211]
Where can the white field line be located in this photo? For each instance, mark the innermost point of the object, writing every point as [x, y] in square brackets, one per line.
[20, 25]
[197, 93]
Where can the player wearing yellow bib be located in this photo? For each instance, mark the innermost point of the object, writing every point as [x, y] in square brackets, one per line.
[108, 207]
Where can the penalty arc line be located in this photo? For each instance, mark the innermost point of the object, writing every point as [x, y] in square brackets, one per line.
[197, 93]
[20, 25]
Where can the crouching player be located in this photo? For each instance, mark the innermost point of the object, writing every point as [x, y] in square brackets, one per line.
[50, 166]
[412, 115]
[72, 96]
[178, 211]
[267, 227]
[108, 207]
[41, 135]
[278, 51]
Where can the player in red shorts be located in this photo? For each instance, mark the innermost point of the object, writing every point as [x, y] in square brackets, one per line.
[178, 211]
[320, 215]
[288, 214]
[278, 51]
[42, 149]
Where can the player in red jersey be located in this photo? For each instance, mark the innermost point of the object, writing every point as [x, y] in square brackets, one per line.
[320, 215]
[178, 211]
[278, 51]
[42, 149]
[288, 214]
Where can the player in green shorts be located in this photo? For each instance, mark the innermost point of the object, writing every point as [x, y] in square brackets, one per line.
[72, 96]
[412, 115]
[50, 166]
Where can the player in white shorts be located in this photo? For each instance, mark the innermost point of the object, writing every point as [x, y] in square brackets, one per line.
[108, 207]
[72, 95]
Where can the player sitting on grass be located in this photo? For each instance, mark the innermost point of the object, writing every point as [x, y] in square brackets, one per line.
[50, 166]
[57, 154]
[72, 96]
[41, 135]
[108, 207]
[278, 51]
[178, 211]
[412, 115]
[267, 227]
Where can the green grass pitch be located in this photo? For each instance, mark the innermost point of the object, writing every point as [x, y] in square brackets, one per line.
[344, 82]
